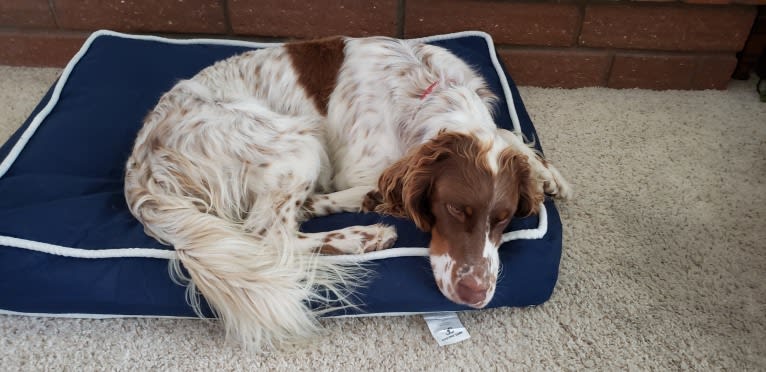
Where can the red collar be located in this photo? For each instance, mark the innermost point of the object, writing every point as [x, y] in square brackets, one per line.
[429, 90]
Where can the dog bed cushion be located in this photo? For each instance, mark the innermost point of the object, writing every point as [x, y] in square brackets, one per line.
[70, 247]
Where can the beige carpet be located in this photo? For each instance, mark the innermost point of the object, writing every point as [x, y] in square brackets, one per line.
[664, 263]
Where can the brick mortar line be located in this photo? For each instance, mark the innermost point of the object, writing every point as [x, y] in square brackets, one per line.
[608, 71]
[400, 17]
[578, 31]
[54, 14]
[5, 31]
[641, 3]
[614, 51]
[227, 17]
[623, 2]
[52, 32]
[658, 4]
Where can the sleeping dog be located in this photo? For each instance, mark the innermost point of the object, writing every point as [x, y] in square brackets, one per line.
[231, 161]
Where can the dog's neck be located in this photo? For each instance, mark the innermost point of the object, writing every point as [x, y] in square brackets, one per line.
[446, 105]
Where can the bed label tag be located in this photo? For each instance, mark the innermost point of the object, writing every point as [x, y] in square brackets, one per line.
[446, 328]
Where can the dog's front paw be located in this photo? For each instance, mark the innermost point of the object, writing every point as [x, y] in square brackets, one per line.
[556, 185]
[382, 237]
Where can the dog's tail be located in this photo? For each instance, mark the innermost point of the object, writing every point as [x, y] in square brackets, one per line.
[266, 294]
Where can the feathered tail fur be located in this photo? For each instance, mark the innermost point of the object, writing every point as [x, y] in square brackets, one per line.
[259, 287]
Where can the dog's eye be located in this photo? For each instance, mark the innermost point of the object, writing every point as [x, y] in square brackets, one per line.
[455, 211]
[501, 218]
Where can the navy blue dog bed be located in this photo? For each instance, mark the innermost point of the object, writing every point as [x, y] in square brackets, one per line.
[70, 247]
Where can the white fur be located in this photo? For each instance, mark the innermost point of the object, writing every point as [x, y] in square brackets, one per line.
[442, 266]
[493, 256]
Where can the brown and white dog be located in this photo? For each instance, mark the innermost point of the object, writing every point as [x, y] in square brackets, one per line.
[231, 161]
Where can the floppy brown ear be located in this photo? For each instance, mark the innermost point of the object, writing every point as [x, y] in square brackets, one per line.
[390, 185]
[406, 185]
[529, 189]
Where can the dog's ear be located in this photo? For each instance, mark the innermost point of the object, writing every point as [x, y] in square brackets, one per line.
[406, 185]
[391, 185]
[516, 166]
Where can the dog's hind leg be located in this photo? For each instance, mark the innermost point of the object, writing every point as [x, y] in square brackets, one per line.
[349, 240]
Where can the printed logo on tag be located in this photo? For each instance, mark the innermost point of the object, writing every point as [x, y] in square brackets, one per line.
[446, 328]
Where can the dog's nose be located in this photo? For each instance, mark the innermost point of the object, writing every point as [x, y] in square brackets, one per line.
[472, 291]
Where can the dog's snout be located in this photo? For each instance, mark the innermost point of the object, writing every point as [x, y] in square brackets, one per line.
[472, 291]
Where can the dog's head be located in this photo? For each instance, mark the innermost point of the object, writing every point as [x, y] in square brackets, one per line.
[463, 191]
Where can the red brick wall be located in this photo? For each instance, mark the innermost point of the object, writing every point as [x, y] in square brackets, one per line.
[665, 44]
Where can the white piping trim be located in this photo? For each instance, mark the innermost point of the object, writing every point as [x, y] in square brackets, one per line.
[170, 255]
[365, 315]
[123, 316]
[86, 253]
[58, 250]
[379, 255]
[536, 233]
[91, 316]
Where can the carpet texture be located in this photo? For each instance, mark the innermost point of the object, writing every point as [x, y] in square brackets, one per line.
[664, 263]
